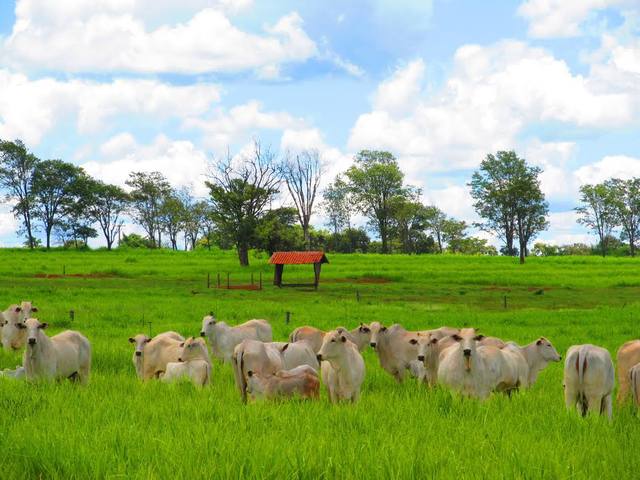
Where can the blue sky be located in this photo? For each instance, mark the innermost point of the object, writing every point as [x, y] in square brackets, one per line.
[121, 85]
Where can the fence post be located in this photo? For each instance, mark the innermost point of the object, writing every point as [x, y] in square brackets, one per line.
[251, 279]
[228, 284]
[64, 270]
[287, 318]
[208, 280]
[150, 334]
[505, 301]
[261, 280]
[72, 315]
[357, 295]
[218, 280]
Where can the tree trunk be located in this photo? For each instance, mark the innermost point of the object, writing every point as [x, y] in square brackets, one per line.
[523, 252]
[307, 237]
[48, 235]
[632, 245]
[109, 243]
[243, 254]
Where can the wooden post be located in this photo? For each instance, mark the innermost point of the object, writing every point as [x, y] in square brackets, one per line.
[64, 270]
[208, 280]
[72, 315]
[228, 282]
[316, 271]
[287, 318]
[505, 301]
[218, 280]
[277, 276]
[357, 295]
[261, 280]
[251, 279]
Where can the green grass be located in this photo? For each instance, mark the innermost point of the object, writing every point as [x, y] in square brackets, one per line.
[119, 428]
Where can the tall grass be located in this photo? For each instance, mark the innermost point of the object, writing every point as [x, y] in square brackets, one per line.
[119, 428]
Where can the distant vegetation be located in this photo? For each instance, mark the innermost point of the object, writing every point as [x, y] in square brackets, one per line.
[259, 200]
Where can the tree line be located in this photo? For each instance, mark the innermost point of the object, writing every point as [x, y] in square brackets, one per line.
[265, 201]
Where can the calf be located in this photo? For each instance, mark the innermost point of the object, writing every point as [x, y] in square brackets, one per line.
[588, 379]
[302, 381]
[342, 367]
[537, 354]
[224, 338]
[66, 355]
[151, 355]
[193, 363]
[628, 355]
[12, 322]
[313, 336]
[257, 357]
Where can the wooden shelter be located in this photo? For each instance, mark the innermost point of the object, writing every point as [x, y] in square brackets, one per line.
[280, 259]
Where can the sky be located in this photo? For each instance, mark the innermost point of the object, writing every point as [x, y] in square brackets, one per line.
[141, 85]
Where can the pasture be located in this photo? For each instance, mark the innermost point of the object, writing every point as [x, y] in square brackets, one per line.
[119, 428]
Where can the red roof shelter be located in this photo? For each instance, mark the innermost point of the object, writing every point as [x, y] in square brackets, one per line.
[280, 259]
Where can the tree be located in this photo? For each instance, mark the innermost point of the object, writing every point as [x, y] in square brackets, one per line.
[410, 219]
[57, 186]
[375, 181]
[302, 176]
[277, 231]
[108, 204]
[625, 195]
[17, 168]
[147, 194]
[240, 193]
[195, 214]
[172, 216]
[453, 234]
[435, 223]
[337, 205]
[508, 197]
[598, 212]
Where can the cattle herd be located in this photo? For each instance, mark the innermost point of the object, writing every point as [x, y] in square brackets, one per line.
[460, 359]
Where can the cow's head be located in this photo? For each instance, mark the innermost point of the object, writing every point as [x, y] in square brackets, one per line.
[34, 330]
[547, 351]
[467, 339]
[139, 342]
[332, 345]
[27, 310]
[376, 329]
[192, 348]
[208, 322]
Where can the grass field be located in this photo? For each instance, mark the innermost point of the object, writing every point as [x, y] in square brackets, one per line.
[119, 428]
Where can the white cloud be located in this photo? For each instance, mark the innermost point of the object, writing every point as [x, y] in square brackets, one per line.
[561, 18]
[611, 166]
[556, 180]
[30, 108]
[8, 223]
[111, 36]
[182, 163]
[564, 229]
[491, 95]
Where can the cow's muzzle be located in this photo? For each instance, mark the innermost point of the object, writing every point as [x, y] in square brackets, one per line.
[32, 341]
[421, 358]
[319, 357]
[466, 352]
[373, 344]
[138, 354]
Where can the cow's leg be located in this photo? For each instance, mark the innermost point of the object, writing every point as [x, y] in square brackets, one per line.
[571, 398]
[623, 390]
[607, 406]
[594, 403]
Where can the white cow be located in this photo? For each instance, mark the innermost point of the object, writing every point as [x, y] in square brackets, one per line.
[628, 355]
[151, 355]
[537, 354]
[302, 381]
[462, 369]
[295, 354]
[194, 363]
[634, 382]
[66, 355]
[12, 319]
[397, 351]
[257, 357]
[589, 379]
[506, 367]
[223, 338]
[360, 335]
[429, 350]
[343, 368]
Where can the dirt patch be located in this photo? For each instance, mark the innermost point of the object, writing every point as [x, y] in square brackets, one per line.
[373, 280]
[495, 288]
[75, 275]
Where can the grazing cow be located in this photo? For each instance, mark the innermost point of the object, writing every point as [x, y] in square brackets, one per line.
[360, 336]
[259, 357]
[342, 367]
[589, 379]
[397, 351]
[65, 355]
[295, 354]
[462, 369]
[12, 332]
[537, 354]
[194, 363]
[18, 373]
[151, 355]
[634, 380]
[429, 350]
[628, 355]
[506, 367]
[223, 338]
[302, 381]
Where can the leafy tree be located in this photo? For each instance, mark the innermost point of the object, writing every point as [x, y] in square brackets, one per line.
[108, 204]
[134, 240]
[375, 182]
[240, 194]
[57, 186]
[435, 223]
[337, 206]
[625, 195]
[453, 234]
[508, 197]
[598, 212]
[349, 240]
[195, 218]
[172, 216]
[475, 246]
[302, 175]
[17, 168]
[410, 220]
[148, 191]
[277, 231]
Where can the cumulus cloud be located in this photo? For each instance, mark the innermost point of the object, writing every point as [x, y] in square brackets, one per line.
[561, 18]
[492, 94]
[111, 36]
[611, 166]
[31, 108]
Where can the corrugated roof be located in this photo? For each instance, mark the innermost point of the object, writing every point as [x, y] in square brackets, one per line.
[297, 258]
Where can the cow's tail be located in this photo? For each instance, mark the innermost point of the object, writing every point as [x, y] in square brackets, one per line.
[635, 385]
[292, 336]
[581, 366]
[238, 369]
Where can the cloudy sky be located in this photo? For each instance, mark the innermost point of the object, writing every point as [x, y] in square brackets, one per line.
[122, 85]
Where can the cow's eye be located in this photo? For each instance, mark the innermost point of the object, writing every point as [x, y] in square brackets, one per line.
[333, 340]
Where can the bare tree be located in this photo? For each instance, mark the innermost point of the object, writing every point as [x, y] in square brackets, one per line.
[240, 191]
[302, 174]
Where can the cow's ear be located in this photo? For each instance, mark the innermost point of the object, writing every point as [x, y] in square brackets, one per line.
[479, 337]
[132, 340]
[539, 342]
[250, 373]
[43, 325]
[286, 345]
[147, 340]
[456, 337]
[434, 341]
[343, 339]
[182, 344]
[18, 309]
[383, 329]
[413, 341]
[34, 309]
